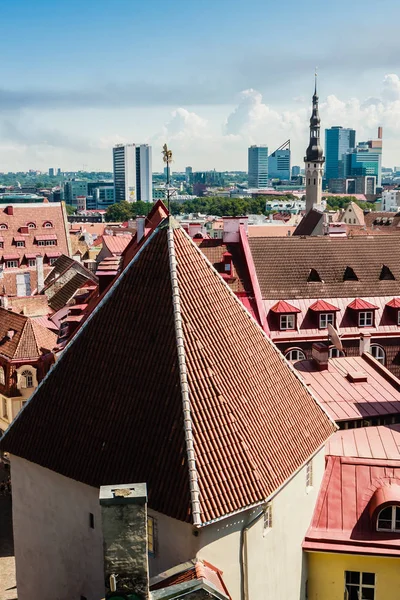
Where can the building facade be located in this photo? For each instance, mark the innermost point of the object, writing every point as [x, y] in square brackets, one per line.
[258, 167]
[338, 141]
[279, 163]
[132, 166]
[314, 159]
[73, 189]
[365, 159]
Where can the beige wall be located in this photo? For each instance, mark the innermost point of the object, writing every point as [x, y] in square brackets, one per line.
[58, 556]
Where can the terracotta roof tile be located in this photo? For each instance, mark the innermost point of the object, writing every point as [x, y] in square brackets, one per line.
[253, 422]
[28, 337]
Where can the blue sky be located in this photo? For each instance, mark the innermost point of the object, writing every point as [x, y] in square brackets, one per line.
[209, 77]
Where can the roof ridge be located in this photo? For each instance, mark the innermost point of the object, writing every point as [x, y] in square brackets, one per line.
[187, 418]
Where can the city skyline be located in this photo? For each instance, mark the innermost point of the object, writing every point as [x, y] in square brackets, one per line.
[208, 106]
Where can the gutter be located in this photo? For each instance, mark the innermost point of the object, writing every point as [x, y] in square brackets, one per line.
[244, 559]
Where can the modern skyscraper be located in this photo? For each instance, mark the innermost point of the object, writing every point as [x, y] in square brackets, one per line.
[51, 172]
[296, 170]
[338, 141]
[258, 167]
[132, 165]
[279, 162]
[314, 159]
[73, 189]
[366, 159]
[188, 175]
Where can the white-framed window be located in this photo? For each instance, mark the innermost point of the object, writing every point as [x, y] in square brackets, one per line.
[52, 260]
[47, 242]
[27, 379]
[287, 322]
[5, 408]
[31, 262]
[2, 376]
[309, 474]
[11, 264]
[389, 519]
[365, 318]
[378, 353]
[359, 586]
[335, 353]
[47, 224]
[3, 226]
[268, 517]
[31, 226]
[398, 317]
[151, 536]
[326, 319]
[295, 354]
[20, 244]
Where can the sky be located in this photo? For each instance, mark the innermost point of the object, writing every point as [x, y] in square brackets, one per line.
[209, 78]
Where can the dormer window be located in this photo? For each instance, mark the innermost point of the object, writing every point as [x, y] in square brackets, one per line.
[314, 276]
[349, 274]
[47, 224]
[389, 519]
[3, 226]
[365, 318]
[287, 322]
[31, 225]
[386, 274]
[326, 319]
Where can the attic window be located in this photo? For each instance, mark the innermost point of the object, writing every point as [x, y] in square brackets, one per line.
[349, 275]
[3, 226]
[389, 519]
[386, 273]
[314, 276]
[31, 226]
[47, 224]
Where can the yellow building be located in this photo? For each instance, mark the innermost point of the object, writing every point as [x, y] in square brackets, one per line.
[353, 543]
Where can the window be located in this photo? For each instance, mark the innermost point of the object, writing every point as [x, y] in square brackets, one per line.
[389, 519]
[3, 226]
[386, 274]
[398, 317]
[47, 224]
[31, 262]
[52, 261]
[91, 520]
[31, 226]
[314, 181]
[365, 318]
[335, 353]
[1, 244]
[359, 586]
[295, 354]
[11, 264]
[349, 273]
[326, 319]
[309, 474]
[2, 377]
[287, 322]
[47, 242]
[378, 353]
[27, 379]
[5, 414]
[314, 276]
[20, 244]
[151, 536]
[268, 517]
[309, 181]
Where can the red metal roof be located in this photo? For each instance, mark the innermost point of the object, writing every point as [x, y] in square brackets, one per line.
[345, 400]
[254, 423]
[53, 254]
[45, 237]
[19, 238]
[395, 303]
[361, 304]
[116, 244]
[323, 306]
[194, 570]
[363, 467]
[31, 255]
[284, 307]
[11, 256]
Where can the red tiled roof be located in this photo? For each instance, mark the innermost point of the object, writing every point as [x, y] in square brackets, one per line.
[194, 570]
[253, 422]
[14, 256]
[53, 254]
[360, 304]
[116, 244]
[30, 255]
[284, 307]
[362, 464]
[323, 306]
[45, 237]
[30, 339]
[395, 303]
[19, 238]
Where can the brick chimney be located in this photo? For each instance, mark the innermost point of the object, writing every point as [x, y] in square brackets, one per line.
[231, 228]
[40, 273]
[124, 521]
[320, 355]
[365, 343]
[140, 229]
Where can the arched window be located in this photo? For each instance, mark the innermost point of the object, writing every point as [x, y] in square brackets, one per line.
[47, 224]
[27, 379]
[3, 226]
[378, 353]
[389, 519]
[31, 226]
[295, 354]
[335, 353]
[2, 376]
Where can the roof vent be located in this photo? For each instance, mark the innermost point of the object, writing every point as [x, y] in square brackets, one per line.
[386, 273]
[357, 376]
[314, 276]
[349, 275]
[10, 334]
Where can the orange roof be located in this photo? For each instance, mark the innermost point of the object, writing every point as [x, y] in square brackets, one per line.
[28, 339]
[395, 303]
[242, 426]
[194, 570]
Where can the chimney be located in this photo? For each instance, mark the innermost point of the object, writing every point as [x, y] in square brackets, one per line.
[231, 228]
[365, 343]
[140, 222]
[40, 273]
[4, 301]
[320, 355]
[124, 521]
[379, 133]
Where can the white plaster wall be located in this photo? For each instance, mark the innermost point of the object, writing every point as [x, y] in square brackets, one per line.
[58, 556]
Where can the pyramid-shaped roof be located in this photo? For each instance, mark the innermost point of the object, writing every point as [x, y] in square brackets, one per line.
[171, 381]
[29, 339]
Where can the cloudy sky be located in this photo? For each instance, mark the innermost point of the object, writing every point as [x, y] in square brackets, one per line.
[208, 77]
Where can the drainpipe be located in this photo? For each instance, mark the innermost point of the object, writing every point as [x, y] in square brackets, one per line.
[244, 570]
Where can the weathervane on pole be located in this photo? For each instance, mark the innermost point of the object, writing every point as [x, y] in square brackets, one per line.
[167, 158]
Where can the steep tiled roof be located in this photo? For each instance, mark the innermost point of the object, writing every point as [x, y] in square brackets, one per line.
[214, 251]
[29, 339]
[283, 266]
[248, 421]
[311, 223]
[66, 292]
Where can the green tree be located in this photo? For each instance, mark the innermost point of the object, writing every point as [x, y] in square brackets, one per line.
[70, 209]
[121, 211]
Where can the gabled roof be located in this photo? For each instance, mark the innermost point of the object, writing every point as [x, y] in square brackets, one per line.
[360, 304]
[311, 223]
[323, 306]
[28, 340]
[116, 244]
[395, 303]
[194, 570]
[170, 381]
[284, 307]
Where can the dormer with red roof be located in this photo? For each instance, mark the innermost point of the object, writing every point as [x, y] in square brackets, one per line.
[363, 311]
[283, 316]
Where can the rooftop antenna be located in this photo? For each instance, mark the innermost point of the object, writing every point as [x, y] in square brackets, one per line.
[167, 158]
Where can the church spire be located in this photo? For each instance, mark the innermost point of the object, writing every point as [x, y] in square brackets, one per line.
[314, 158]
[314, 150]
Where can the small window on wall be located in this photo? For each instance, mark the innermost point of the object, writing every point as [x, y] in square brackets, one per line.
[389, 519]
[326, 319]
[365, 318]
[309, 474]
[27, 379]
[2, 376]
[335, 353]
[287, 322]
[268, 517]
[295, 354]
[378, 353]
[359, 586]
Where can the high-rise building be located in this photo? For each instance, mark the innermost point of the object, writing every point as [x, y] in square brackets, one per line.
[366, 159]
[132, 165]
[338, 141]
[314, 158]
[51, 172]
[296, 170]
[258, 167]
[188, 175]
[73, 189]
[58, 172]
[279, 163]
